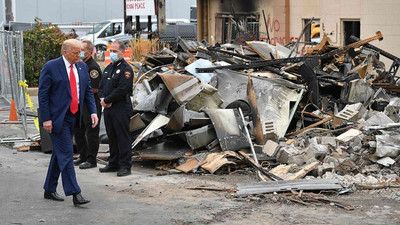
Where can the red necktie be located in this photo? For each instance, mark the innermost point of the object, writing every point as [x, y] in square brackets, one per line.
[72, 83]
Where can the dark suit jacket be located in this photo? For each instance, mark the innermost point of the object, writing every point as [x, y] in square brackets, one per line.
[55, 92]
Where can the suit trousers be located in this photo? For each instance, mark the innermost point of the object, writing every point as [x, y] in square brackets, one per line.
[87, 138]
[62, 159]
[116, 120]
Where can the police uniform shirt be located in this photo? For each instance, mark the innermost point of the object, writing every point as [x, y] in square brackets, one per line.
[95, 74]
[117, 82]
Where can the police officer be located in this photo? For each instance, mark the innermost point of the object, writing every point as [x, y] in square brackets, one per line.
[115, 90]
[86, 137]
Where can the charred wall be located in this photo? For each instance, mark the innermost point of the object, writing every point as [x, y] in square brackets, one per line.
[226, 6]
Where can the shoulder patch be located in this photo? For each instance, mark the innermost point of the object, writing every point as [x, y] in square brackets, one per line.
[94, 74]
[127, 74]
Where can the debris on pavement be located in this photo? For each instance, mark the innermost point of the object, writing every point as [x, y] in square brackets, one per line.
[333, 110]
[332, 114]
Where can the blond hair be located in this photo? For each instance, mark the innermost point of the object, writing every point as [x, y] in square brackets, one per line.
[70, 43]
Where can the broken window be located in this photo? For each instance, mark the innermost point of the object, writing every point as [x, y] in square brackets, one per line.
[228, 28]
[350, 27]
[313, 30]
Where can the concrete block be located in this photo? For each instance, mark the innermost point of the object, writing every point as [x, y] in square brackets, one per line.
[326, 167]
[351, 112]
[330, 159]
[270, 148]
[328, 141]
[378, 119]
[314, 172]
[285, 152]
[387, 145]
[269, 131]
[386, 161]
[348, 135]
[316, 150]
[356, 143]
[392, 110]
[299, 160]
[347, 165]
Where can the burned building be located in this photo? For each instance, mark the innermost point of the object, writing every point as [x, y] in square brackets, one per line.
[286, 19]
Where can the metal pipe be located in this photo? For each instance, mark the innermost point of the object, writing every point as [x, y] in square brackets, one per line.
[147, 86]
[251, 143]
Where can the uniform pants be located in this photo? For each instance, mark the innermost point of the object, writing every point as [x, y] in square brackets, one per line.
[62, 159]
[87, 138]
[116, 120]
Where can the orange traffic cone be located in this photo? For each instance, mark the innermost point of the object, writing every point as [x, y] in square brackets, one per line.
[13, 112]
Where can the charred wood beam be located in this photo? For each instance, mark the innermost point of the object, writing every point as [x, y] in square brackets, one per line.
[311, 126]
[218, 56]
[380, 51]
[308, 74]
[281, 72]
[258, 64]
[340, 84]
[258, 167]
[346, 48]
[213, 49]
[396, 60]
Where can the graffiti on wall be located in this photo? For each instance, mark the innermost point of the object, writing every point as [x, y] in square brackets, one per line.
[277, 35]
[276, 32]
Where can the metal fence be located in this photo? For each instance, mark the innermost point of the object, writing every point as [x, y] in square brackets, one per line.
[12, 71]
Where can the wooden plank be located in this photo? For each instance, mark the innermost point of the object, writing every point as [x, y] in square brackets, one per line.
[306, 169]
[214, 161]
[311, 126]
[251, 96]
[281, 170]
[189, 165]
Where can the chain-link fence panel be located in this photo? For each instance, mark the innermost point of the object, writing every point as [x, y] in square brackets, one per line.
[12, 71]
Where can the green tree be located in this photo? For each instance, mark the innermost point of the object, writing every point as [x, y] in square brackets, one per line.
[41, 44]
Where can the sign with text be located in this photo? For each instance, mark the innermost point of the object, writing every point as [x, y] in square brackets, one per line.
[139, 7]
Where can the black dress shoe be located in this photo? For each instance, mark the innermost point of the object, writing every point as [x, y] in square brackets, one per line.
[123, 172]
[107, 169]
[87, 165]
[53, 196]
[78, 199]
[78, 161]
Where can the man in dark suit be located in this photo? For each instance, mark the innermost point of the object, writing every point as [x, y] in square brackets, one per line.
[64, 88]
[87, 137]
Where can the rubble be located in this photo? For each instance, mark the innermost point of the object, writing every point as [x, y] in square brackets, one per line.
[333, 110]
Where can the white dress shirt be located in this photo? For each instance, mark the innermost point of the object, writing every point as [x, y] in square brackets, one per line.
[68, 68]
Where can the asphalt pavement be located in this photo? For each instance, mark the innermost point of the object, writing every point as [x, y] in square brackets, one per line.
[141, 198]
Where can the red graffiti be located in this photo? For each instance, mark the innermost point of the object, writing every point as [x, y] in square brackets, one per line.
[280, 40]
[273, 24]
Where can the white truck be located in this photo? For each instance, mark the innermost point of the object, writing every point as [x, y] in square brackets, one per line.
[103, 32]
[111, 30]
